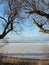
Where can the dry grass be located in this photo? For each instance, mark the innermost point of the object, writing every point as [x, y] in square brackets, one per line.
[22, 61]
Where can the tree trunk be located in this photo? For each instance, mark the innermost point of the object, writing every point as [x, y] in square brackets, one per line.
[2, 35]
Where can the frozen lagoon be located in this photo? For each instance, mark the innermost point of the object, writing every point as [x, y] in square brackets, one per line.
[26, 50]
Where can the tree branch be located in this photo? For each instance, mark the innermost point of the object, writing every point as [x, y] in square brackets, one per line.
[39, 13]
[47, 4]
[4, 34]
[3, 19]
[40, 27]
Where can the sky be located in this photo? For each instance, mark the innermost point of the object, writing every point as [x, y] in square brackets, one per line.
[30, 30]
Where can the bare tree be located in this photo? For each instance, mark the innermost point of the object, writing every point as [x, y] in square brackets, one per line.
[11, 11]
[38, 7]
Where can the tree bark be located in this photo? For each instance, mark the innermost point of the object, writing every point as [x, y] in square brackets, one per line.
[2, 36]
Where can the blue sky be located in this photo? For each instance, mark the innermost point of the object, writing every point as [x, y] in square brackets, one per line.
[47, 1]
[29, 29]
